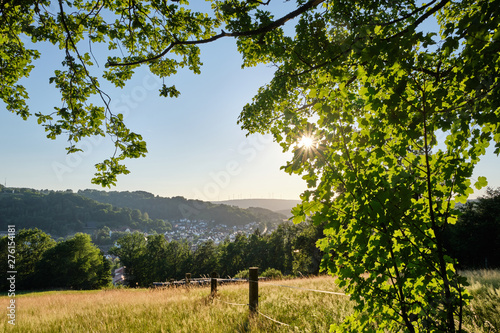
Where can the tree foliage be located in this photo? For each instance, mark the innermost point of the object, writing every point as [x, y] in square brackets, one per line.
[131, 249]
[152, 258]
[42, 263]
[30, 246]
[399, 117]
[475, 239]
[75, 263]
[64, 213]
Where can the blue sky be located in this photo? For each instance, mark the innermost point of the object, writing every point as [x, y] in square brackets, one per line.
[196, 149]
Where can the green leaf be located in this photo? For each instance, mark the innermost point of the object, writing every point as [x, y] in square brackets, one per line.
[481, 182]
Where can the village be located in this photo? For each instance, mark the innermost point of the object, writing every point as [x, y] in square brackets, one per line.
[197, 232]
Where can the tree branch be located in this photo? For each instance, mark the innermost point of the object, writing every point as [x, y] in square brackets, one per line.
[442, 264]
[404, 17]
[262, 30]
[420, 19]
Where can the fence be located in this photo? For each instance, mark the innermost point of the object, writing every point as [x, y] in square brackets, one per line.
[204, 281]
[253, 289]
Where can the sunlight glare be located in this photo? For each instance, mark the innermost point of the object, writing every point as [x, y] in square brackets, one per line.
[306, 142]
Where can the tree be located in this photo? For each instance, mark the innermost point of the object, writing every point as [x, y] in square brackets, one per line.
[475, 239]
[30, 246]
[256, 250]
[74, 263]
[370, 88]
[373, 92]
[131, 250]
[155, 260]
[280, 244]
[102, 236]
[306, 255]
[205, 259]
[178, 259]
[233, 255]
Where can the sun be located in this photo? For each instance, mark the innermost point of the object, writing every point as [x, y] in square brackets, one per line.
[306, 142]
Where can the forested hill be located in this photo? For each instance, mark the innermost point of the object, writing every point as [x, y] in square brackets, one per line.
[63, 212]
[177, 208]
[281, 206]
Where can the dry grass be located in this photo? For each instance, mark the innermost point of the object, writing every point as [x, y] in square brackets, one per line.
[180, 310]
[192, 310]
[483, 313]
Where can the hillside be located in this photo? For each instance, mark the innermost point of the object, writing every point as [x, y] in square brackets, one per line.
[178, 208]
[63, 212]
[280, 206]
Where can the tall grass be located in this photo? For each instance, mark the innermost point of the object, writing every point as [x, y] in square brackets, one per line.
[180, 310]
[483, 313]
[193, 310]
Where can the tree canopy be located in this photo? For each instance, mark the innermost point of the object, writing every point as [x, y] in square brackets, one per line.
[74, 263]
[290, 249]
[398, 116]
[162, 35]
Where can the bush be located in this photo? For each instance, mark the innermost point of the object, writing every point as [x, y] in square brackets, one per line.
[272, 273]
[242, 274]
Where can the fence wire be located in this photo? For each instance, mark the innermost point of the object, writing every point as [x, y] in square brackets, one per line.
[283, 286]
[260, 313]
[306, 289]
[276, 321]
[230, 302]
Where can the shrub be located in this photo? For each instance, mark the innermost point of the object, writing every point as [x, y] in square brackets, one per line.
[272, 273]
[242, 274]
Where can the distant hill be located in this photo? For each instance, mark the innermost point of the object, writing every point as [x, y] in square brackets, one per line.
[177, 208]
[61, 213]
[281, 206]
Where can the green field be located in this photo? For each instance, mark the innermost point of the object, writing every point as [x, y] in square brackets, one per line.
[193, 310]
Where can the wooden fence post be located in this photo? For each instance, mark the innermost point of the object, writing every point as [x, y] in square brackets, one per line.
[188, 278]
[253, 289]
[213, 284]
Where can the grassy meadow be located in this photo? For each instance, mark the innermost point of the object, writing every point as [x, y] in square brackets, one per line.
[180, 310]
[192, 310]
[483, 312]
